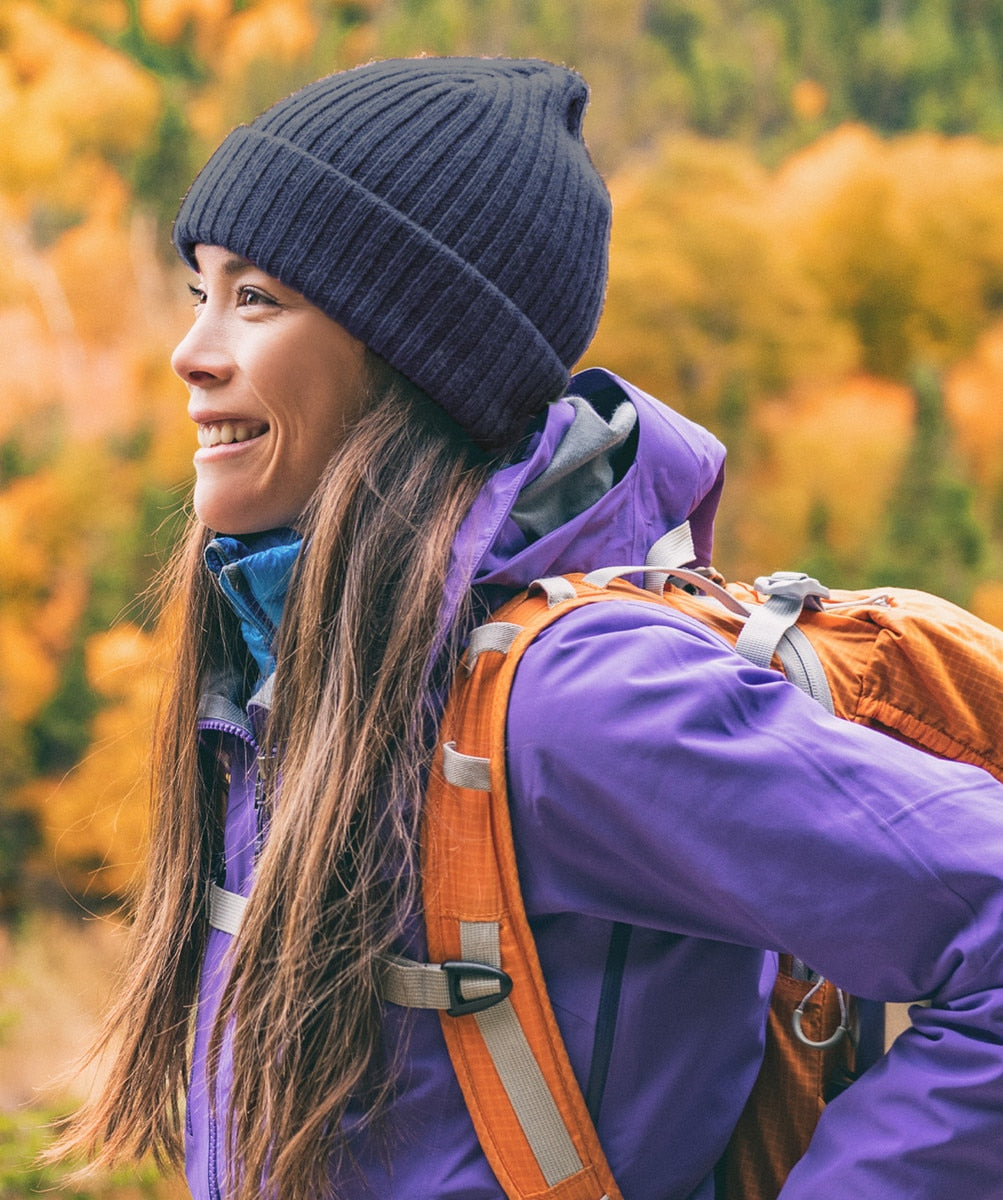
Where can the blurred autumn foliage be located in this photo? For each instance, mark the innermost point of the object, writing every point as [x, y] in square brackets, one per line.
[808, 257]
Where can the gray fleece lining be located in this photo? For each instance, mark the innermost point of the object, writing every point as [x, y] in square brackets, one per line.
[579, 474]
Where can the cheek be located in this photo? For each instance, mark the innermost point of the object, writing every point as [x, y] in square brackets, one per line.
[313, 386]
[331, 400]
[320, 422]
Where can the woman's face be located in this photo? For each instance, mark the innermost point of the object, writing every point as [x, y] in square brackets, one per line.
[274, 384]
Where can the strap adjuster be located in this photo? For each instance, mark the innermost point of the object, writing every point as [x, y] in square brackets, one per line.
[457, 972]
[793, 585]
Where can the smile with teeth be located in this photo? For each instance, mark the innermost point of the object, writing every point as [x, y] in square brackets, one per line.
[223, 433]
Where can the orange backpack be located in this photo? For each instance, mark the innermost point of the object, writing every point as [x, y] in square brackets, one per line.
[914, 666]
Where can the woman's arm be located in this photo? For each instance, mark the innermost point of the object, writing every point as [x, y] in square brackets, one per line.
[657, 778]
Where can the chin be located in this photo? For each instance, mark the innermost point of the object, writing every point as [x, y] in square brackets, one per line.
[222, 511]
[231, 524]
[225, 519]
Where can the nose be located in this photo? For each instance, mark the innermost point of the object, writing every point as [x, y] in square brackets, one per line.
[201, 357]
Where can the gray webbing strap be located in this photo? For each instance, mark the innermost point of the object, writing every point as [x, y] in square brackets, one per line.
[226, 909]
[496, 635]
[605, 576]
[427, 985]
[555, 587]
[771, 629]
[453, 986]
[766, 625]
[803, 667]
[673, 549]
[708, 587]
[465, 770]
[518, 1070]
[413, 984]
[435, 985]
[787, 592]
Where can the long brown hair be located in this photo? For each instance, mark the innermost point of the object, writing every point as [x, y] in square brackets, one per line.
[362, 662]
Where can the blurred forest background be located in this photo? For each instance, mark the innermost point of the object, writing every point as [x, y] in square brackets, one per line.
[808, 258]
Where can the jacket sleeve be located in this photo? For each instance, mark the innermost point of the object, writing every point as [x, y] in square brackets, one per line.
[659, 779]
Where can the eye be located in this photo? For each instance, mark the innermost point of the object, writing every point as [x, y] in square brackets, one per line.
[197, 295]
[252, 297]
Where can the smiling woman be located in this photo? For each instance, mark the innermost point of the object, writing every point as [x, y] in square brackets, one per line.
[265, 431]
[398, 266]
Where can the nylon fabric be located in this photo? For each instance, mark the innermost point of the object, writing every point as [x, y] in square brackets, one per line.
[412, 984]
[789, 1095]
[674, 548]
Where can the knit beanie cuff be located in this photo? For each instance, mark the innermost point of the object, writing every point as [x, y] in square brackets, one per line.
[387, 280]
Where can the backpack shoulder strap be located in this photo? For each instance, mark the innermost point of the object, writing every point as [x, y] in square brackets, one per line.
[503, 1039]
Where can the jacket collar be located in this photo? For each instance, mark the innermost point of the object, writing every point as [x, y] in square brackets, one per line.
[253, 574]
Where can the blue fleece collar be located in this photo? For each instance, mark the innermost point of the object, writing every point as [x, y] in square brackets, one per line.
[253, 574]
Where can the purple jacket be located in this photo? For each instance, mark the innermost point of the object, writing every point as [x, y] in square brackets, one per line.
[661, 781]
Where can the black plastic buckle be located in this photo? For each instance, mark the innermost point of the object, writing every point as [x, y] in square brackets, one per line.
[457, 972]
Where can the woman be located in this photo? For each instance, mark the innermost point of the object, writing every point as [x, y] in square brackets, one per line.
[396, 269]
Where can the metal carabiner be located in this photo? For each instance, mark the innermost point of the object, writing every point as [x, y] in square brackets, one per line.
[842, 1030]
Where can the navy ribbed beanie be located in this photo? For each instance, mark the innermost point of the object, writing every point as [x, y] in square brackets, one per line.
[443, 210]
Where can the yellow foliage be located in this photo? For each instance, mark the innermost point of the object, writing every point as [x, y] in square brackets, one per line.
[208, 116]
[94, 265]
[55, 620]
[64, 93]
[814, 177]
[30, 530]
[118, 662]
[166, 20]
[840, 445]
[987, 601]
[43, 586]
[903, 237]
[101, 16]
[703, 293]
[360, 44]
[809, 99]
[50, 524]
[973, 393]
[95, 817]
[28, 674]
[738, 294]
[231, 43]
[92, 320]
[29, 378]
[273, 31]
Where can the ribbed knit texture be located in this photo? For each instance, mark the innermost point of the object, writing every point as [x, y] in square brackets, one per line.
[444, 211]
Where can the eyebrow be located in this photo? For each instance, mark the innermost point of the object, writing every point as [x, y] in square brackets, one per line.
[232, 265]
[235, 265]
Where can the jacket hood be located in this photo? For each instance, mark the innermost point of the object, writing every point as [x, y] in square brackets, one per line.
[582, 499]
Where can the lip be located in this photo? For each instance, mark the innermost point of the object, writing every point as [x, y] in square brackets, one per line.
[224, 450]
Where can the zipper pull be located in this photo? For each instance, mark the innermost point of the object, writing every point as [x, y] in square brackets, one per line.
[261, 807]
